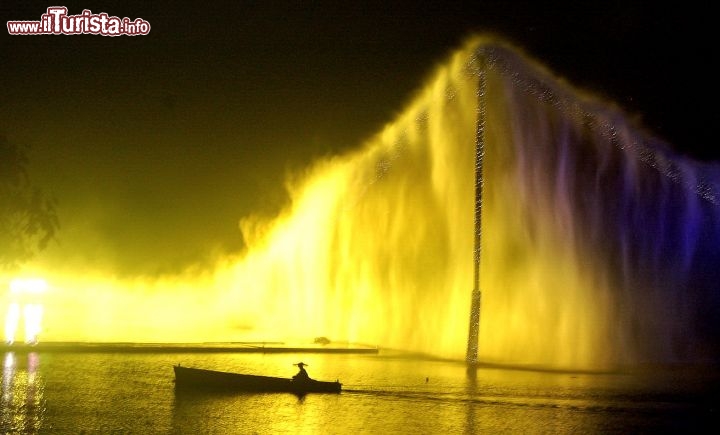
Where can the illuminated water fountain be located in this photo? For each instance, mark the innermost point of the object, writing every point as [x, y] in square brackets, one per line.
[598, 243]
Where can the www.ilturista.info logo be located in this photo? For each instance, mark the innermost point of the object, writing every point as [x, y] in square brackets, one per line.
[57, 22]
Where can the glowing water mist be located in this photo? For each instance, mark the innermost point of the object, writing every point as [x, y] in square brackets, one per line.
[598, 243]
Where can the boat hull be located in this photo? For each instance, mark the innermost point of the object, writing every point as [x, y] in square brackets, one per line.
[194, 379]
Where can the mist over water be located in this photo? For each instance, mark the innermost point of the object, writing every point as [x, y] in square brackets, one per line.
[598, 242]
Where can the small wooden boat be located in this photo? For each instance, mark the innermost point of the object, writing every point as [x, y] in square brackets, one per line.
[188, 378]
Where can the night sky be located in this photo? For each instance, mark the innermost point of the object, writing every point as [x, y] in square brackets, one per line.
[155, 146]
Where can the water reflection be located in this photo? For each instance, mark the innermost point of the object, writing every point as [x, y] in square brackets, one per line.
[21, 401]
[472, 391]
[408, 395]
[238, 412]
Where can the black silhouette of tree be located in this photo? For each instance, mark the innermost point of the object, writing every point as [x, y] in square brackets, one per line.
[28, 220]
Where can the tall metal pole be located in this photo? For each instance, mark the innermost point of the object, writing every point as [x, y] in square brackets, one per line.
[474, 330]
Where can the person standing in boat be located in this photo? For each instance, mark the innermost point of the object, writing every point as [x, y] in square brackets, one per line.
[301, 375]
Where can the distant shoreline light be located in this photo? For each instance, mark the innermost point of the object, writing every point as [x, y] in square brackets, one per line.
[28, 312]
[28, 285]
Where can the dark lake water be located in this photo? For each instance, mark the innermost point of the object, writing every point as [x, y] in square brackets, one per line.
[125, 393]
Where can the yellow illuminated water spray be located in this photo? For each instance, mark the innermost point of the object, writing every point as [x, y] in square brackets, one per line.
[599, 245]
